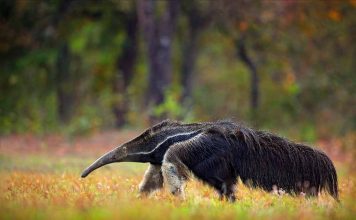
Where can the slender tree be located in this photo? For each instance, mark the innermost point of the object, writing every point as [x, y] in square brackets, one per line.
[158, 27]
[125, 65]
[65, 97]
[198, 19]
[254, 81]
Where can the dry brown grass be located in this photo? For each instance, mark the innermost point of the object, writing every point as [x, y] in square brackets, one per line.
[45, 184]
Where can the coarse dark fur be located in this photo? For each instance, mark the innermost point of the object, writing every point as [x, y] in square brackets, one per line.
[219, 152]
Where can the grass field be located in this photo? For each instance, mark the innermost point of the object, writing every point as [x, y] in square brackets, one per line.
[43, 183]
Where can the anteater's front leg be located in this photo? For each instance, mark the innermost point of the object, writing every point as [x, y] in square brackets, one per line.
[173, 179]
[152, 180]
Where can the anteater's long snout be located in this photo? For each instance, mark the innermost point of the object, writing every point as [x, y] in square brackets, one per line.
[110, 157]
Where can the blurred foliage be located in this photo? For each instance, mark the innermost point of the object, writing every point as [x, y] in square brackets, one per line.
[304, 53]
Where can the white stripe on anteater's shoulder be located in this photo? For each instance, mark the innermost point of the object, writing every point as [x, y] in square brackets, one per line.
[156, 155]
[184, 145]
[176, 138]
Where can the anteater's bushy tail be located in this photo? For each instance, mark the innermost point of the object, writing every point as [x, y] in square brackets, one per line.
[268, 160]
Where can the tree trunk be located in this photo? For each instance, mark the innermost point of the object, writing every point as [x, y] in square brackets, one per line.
[189, 56]
[62, 77]
[197, 20]
[125, 64]
[64, 88]
[254, 98]
[158, 34]
[188, 64]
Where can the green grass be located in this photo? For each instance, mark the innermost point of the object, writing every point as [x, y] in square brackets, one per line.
[50, 187]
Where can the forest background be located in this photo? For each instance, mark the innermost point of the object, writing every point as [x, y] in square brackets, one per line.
[75, 67]
[78, 77]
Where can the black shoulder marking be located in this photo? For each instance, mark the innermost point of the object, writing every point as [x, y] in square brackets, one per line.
[161, 148]
[156, 155]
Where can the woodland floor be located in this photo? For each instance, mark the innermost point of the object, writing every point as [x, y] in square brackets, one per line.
[40, 179]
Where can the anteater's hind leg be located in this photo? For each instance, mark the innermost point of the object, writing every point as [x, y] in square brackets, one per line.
[225, 188]
[219, 174]
[152, 180]
[228, 188]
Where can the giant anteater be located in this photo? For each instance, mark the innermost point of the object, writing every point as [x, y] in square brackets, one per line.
[217, 153]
